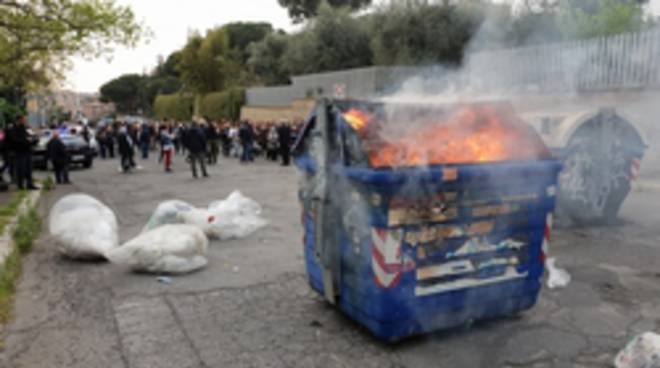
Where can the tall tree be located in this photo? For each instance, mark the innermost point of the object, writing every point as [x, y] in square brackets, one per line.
[300, 10]
[266, 59]
[334, 41]
[242, 34]
[127, 92]
[37, 37]
[417, 32]
[205, 62]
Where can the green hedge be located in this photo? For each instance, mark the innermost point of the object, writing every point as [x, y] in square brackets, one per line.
[176, 106]
[222, 105]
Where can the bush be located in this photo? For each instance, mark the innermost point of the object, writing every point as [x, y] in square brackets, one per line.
[222, 105]
[176, 106]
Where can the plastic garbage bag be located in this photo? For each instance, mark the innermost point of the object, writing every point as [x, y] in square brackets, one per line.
[236, 202]
[557, 277]
[641, 352]
[168, 212]
[171, 249]
[83, 227]
[236, 216]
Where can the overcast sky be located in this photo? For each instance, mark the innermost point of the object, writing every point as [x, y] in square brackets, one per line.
[171, 21]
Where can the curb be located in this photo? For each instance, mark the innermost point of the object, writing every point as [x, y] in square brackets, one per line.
[6, 239]
[646, 186]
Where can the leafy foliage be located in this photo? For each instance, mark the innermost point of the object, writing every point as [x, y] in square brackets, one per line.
[266, 59]
[305, 9]
[37, 37]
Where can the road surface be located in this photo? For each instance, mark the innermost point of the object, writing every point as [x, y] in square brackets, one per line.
[252, 307]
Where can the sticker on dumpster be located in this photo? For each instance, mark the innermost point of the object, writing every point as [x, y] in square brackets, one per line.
[387, 261]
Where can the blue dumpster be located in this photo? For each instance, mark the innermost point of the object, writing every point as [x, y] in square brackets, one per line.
[416, 249]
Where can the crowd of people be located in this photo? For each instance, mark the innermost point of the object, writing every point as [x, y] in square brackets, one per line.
[201, 143]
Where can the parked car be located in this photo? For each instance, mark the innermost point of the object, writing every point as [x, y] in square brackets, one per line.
[80, 152]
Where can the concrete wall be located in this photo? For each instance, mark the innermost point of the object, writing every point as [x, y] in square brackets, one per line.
[296, 111]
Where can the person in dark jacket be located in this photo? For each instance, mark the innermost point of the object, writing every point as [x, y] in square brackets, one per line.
[284, 135]
[20, 144]
[110, 138]
[213, 139]
[126, 148]
[59, 157]
[195, 142]
[145, 141]
[246, 135]
[7, 159]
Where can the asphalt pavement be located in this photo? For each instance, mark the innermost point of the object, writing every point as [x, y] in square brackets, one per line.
[252, 306]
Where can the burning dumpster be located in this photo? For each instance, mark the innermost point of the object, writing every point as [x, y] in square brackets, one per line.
[419, 218]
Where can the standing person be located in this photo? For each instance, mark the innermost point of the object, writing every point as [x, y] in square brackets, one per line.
[21, 142]
[272, 144]
[125, 143]
[6, 158]
[101, 140]
[284, 134]
[167, 147]
[225, 139]
[196, 144]
[144, 137]
[110, 137]
[213, 138]
[246, 136]
[59, 157]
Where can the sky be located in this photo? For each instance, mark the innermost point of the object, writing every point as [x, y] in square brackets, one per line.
[170, 22]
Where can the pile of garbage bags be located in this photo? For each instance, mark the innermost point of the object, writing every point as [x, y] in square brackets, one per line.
[236, 216]
[174, 240]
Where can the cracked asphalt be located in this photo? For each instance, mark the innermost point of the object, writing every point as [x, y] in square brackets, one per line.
[251, 307]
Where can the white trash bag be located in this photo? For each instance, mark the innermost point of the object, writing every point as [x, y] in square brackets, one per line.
[168, 212]
[236, 216]
[171, 249]
[83, 227]
[557, 277]
[642, 352]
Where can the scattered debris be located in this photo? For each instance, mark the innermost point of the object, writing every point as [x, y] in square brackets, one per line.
[557, 277]
[641, 352]
[164, 280]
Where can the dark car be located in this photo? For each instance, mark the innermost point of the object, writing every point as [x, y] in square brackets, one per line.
[80, 152]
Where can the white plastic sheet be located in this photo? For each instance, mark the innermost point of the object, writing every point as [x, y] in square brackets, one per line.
[642, 352]
[557, 277]
[83, 227]
[236, 216]
[168, 212]
[172, 249]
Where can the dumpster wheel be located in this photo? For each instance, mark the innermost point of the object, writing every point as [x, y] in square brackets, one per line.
[596, 176]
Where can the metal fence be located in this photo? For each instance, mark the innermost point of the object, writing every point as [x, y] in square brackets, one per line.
[626, 61]
[619, 62]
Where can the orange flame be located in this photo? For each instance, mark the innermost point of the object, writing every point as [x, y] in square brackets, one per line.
[357, 119]
[470, 134]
